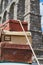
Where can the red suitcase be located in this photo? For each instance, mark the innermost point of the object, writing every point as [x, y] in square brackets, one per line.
[15, 53]
[14, 25]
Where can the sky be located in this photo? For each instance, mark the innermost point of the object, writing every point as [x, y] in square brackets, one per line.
[41, 12]
[41, 0]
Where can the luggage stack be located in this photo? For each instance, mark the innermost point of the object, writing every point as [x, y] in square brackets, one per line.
[13, 44]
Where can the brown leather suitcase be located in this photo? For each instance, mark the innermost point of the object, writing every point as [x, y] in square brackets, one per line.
[14, 25]
[15, 53]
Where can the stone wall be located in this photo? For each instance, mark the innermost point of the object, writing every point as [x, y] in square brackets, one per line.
[37, 40]
[35, 6]
[21, 9]
[35, 22]
[32, 15]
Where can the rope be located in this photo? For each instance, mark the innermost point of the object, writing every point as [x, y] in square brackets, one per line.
[29, 42]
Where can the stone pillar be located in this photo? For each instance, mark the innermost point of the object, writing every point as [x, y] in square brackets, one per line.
[3, 5]
[27, 11]
[0, 8]
[0, 1]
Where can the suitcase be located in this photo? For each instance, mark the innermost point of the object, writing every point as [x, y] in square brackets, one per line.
[14, 25]
[15, 53]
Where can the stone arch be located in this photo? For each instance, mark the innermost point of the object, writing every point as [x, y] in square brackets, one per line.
[11, 11]
[4, 4]
[4, 17]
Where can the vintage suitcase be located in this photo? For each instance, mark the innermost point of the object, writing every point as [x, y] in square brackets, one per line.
[13, 45]
[13, 25]
[15, 37]
[15, 53]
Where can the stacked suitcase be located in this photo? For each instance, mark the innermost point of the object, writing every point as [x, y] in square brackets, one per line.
[13, 44]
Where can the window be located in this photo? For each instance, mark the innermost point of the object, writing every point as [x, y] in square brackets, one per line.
[4, 16]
